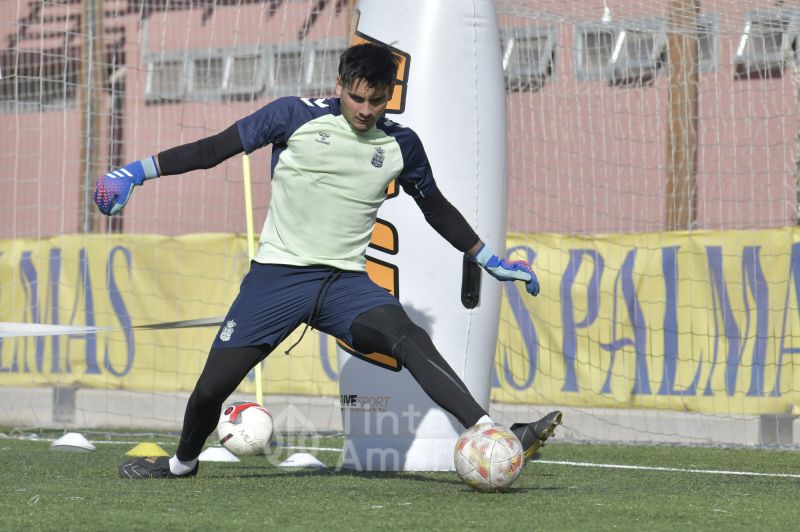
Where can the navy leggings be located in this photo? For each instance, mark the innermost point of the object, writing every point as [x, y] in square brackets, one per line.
[383, 329]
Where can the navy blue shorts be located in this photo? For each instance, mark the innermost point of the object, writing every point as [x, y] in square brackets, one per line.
[274, 299]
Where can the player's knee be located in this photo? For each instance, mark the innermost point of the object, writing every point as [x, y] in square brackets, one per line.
[412, 341]
[206, 396]
[375, 331]
[388, 329]
[225, 369]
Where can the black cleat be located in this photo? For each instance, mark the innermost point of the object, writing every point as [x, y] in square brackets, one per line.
[533, 435]
[151, 467]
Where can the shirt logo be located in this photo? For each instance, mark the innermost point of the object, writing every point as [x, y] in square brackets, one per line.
[323, 137]
[227, 331]
[378, 157]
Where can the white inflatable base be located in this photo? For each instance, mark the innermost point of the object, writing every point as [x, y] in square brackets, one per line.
[453, 95]
[392, 454]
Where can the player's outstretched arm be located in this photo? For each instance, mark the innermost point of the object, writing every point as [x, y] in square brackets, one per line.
[449, 222]
[113, 190]
[518, 270]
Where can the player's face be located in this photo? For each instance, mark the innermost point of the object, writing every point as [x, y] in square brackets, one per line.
[362, 105]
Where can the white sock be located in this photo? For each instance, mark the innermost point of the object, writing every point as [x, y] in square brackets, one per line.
[484, 420]
[179, 467]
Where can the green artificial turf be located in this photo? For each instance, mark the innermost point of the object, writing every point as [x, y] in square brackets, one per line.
[48, 490]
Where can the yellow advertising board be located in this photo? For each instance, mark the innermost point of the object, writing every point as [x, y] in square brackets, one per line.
[689, 321]
[702, 321]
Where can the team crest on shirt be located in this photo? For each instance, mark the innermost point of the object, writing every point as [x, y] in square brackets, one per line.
[324, 138]
[227, 331]
[378, 157]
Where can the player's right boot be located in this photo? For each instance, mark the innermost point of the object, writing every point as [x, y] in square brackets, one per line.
[151, 467]
[533, 435]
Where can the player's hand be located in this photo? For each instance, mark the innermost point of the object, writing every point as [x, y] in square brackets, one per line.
[113, 190]
[518, 270]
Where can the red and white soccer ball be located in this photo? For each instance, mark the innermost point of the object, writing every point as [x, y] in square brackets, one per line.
[245, 428]
[488, 457]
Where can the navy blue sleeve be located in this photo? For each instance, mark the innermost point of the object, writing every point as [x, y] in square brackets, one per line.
[270, 124]
[448, 221]
[416, 178]
[204, 153]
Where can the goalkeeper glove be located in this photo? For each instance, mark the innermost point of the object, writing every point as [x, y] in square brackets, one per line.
[518, 270]
[113, 190]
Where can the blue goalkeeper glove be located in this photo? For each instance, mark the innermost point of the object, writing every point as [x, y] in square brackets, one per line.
[113, 190]
[518, 270]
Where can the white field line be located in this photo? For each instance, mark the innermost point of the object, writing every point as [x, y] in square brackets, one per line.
[667, 469]
[123, 442]
[302, 448]
[120, 442]
[624, 466]
[548, 462]
[95, 442]
[293, 447]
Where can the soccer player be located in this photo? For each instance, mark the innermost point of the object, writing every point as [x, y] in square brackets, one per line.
[334, 156]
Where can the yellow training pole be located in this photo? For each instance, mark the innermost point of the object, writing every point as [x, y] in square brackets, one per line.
[251, 251]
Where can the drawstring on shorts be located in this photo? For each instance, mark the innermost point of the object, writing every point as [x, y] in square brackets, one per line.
[317, 307]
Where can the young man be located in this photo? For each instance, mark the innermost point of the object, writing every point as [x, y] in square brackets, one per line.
[311, 269]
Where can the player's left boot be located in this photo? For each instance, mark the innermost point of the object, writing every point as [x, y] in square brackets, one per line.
[151, 467]
[533, 435]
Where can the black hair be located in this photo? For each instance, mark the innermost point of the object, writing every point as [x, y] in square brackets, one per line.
[375, 64]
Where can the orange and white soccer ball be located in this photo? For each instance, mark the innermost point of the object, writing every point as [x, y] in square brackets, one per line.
[245, 428]
[488, 457]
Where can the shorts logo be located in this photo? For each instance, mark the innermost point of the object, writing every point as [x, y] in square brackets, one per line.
[227, 331]
[378, 157]
[323, 138]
